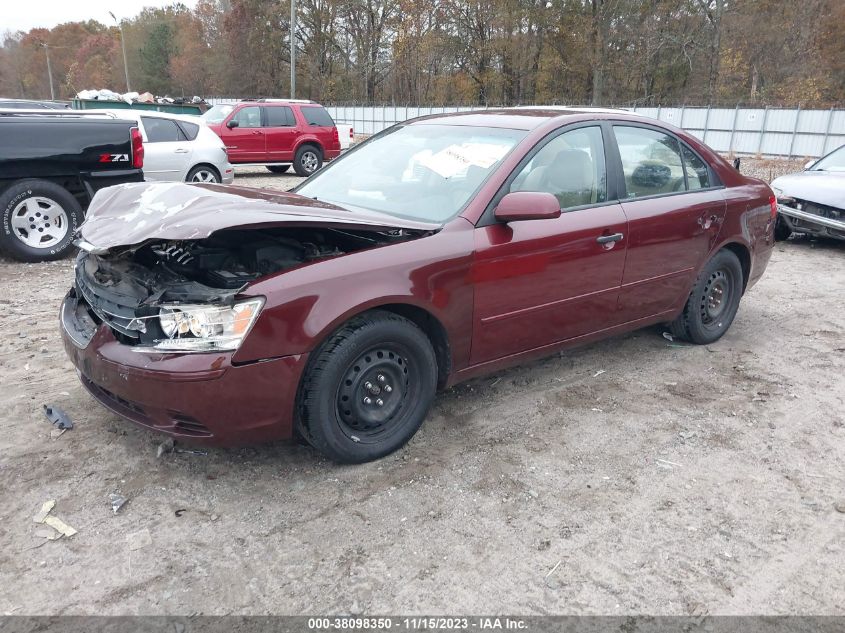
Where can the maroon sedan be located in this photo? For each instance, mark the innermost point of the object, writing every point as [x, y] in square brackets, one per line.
[443, 248]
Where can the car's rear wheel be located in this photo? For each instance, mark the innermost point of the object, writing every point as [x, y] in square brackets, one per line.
[203, 173]
[368, 388]
[39, 220]
[713, 302]
[308, 160]
[278, 169]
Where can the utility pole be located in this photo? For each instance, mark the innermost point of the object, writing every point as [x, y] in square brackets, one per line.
[49, 71]
[292, 49]
[123, 46]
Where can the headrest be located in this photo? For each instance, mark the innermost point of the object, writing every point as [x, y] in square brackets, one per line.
[572, 170]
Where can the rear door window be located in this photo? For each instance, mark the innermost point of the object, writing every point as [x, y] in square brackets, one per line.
[651, 161]
[317, 115]
[698, 176]
[279, 116]
[162, 130]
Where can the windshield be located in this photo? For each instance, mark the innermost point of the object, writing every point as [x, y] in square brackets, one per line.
[835, 161]
[423, 172]
[217, 113]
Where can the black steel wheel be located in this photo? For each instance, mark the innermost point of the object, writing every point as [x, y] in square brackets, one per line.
[713, 302]
[368, 388]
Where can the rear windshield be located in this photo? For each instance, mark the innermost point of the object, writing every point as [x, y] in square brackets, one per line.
[317, 115]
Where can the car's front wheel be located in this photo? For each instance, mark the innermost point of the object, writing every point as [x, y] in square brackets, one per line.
[782, 230]
[368, 388]
[713, 302]
[39, 220]
[308, 159]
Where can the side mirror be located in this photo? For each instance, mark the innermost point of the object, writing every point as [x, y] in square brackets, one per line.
[232, 123]
[809, 164]
[527, 205]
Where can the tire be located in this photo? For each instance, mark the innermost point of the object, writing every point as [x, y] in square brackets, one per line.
[782, 230]
[204, 174]
[377, 357]
[308, 159]
[278, 169]
[713, 302]
[40, 219]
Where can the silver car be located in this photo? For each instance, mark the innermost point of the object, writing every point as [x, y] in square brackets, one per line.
[813, 201]
[179, 147]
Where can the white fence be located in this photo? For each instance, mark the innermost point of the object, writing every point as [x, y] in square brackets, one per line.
[748, 131]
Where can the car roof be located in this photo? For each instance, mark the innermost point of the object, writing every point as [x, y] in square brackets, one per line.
[521, 117]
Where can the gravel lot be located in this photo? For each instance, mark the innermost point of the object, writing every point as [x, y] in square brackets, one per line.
[635, 475]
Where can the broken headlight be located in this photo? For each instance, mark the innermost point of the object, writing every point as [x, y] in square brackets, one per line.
[204, 328]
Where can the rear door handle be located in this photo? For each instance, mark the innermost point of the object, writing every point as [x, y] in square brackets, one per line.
[181, 150]
[605, 239]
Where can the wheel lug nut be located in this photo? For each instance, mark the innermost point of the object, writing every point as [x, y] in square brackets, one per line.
[380, 402]
[368, 400]
[388, 388]
[368, 385]
[381, 378]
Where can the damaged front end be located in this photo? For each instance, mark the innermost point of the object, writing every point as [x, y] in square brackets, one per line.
[803, 216]
[191, 295]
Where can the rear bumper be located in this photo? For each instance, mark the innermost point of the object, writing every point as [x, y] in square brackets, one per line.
[201, 398]
[330, 154]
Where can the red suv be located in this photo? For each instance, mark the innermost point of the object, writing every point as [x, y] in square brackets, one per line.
[276, 133]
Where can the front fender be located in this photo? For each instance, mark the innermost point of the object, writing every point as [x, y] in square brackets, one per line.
[303, 306]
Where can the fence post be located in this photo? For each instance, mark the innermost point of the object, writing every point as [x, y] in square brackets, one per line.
[827, 132]
[733, 130]
[683, 109]
[762, 130]
[794, 131]
[706, 124]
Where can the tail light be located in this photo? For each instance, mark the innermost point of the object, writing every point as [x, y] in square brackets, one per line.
[336, 136]
[137, 148]
[773, 206]
[351, 134]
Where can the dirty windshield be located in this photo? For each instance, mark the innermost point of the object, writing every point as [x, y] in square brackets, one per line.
[835, 161]
[424, 172]
[217, 113]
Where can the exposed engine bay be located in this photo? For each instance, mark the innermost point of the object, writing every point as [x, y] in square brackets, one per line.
[127, 287]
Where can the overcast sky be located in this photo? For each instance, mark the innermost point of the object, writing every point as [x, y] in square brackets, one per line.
[22, 15]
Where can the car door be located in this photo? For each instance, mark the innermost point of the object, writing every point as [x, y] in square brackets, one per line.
[675, 207]
[538, 282]
[280, 132]
[167, 151]
[245, 142]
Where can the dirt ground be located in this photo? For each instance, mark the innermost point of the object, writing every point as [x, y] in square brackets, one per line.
[632, 476]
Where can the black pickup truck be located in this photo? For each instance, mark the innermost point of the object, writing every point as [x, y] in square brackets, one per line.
[50, 168]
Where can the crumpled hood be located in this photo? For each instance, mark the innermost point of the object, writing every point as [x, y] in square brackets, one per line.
[132, 213]
[821, 187]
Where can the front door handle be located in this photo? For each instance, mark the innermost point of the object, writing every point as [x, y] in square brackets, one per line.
[606, 239]
[181, 150]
